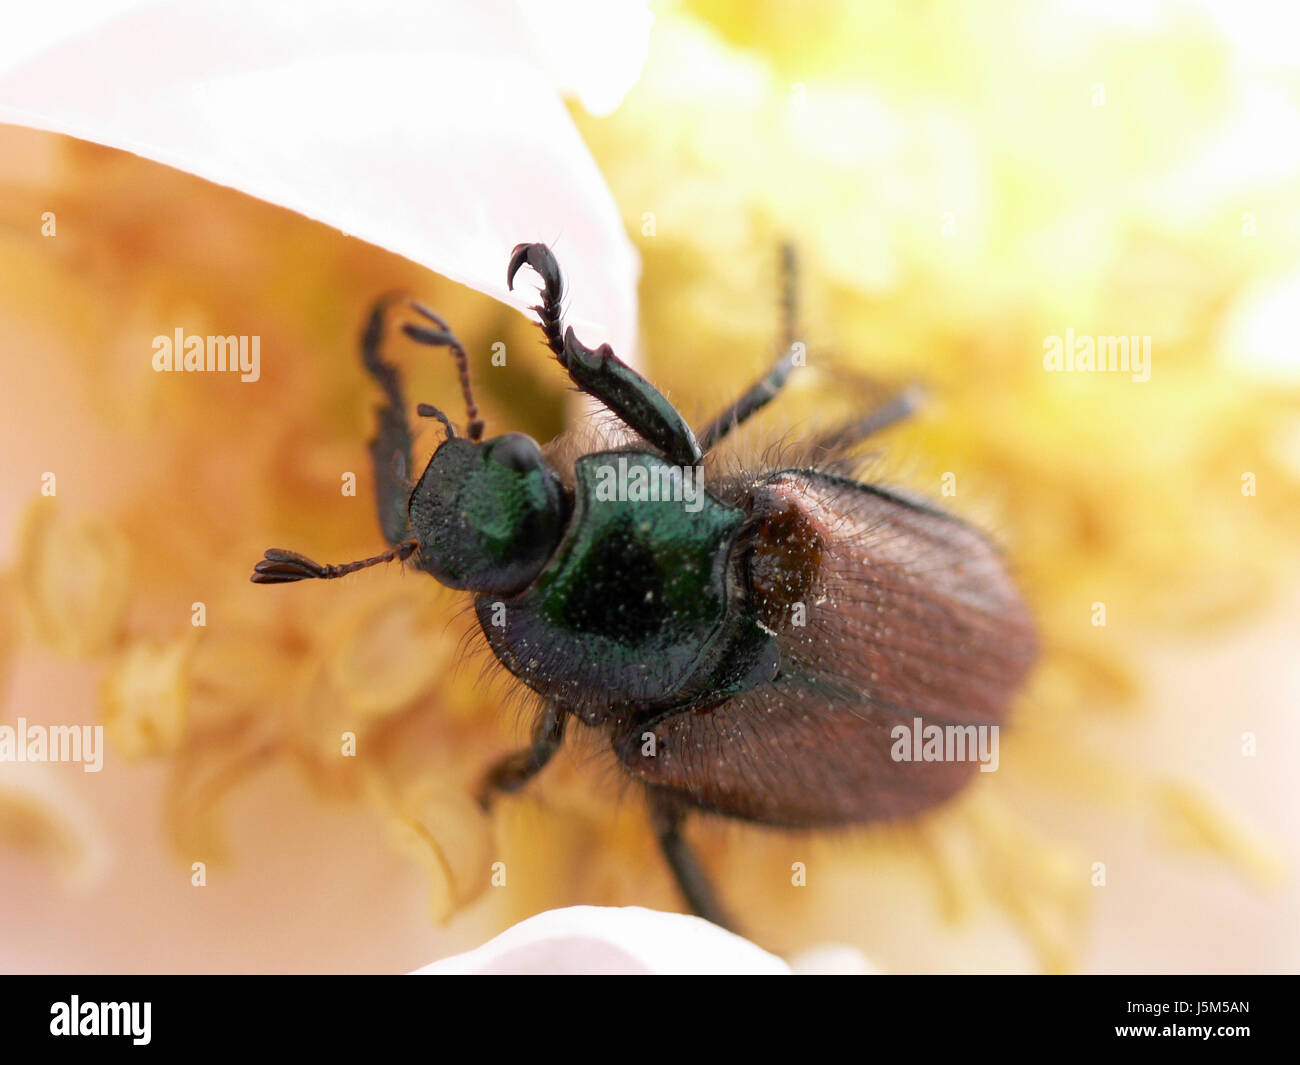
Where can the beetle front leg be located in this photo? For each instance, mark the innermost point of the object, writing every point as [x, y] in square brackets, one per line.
[390, 449]
[519, 767]
[601, 373]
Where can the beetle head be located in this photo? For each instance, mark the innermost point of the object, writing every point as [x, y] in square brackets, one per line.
[488, 514]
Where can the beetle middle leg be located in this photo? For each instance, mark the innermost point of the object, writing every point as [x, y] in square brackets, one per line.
[766, 388]
[899, 408]
[519, 767]
[755, 398]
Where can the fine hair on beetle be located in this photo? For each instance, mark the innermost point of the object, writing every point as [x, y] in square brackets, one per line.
[750, 631]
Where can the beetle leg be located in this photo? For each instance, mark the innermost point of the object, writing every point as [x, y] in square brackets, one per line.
[390, 450]
[764, 390]
[549, 314]
[517, 768]
[666, 817]
[758, 396]
[601, 373]
[789, 296]
[895, 410]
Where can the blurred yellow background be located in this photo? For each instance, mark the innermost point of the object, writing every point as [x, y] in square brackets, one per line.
[963, 181]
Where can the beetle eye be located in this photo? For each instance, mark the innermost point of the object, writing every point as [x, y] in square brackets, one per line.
[515, 451]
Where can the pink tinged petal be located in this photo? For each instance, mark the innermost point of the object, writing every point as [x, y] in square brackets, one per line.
[431, 129]
[626, 940]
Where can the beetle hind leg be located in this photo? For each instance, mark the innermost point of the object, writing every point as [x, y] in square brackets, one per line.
[666, 817]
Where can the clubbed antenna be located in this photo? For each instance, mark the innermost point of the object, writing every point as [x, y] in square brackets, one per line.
[284, 567]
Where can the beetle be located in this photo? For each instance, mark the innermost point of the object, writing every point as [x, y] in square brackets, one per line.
[750, 652]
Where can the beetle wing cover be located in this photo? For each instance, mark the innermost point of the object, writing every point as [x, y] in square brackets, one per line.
[885, 611]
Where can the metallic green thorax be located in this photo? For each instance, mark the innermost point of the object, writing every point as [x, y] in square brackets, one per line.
[634, 607]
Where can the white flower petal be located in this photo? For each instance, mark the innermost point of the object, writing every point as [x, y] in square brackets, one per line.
[593, 51]
[432, 129]
[611, 940]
